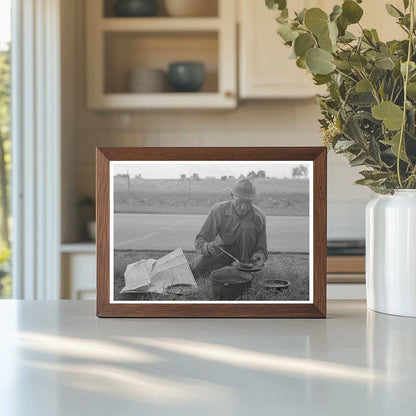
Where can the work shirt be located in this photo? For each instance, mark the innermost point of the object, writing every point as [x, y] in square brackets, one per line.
[222, 220]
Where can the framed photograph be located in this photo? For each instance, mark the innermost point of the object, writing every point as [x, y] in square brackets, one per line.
[211, 232]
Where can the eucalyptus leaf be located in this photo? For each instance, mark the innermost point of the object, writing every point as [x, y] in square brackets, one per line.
[377, 74]
[375, 175]
[333, 32]
[343, 145]
[343, 65]
[303, 43]
[368, 35]
[391, 114]
[411, 90]
[375, 35]
[354, 131]
[301, 63]
[361, 99]
[358, 160]
[364, 181]
[394, 144]
[342, 25]
[286, 32]
[300, 17]
[336, 12]
[362, 111]
[351, 11]
[347, 37]
[393, 11]
[325, 42]
[385, 63]
[321, 79]
[374, 150]
[316, 20]
[412, 67]
[276, 4]
[282, 19]
[319, 61]
[363, 86]
[381, 89]
[396, 71]
[358, 61]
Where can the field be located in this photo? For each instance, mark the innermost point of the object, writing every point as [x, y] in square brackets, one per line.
[292, 267]
[171, 196]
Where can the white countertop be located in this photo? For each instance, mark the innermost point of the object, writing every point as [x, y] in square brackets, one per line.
[58, 359]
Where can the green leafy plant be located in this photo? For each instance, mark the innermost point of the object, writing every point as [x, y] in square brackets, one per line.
[369, 113]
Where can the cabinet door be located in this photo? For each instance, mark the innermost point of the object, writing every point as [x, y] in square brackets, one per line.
[265, 68]
[376, 17]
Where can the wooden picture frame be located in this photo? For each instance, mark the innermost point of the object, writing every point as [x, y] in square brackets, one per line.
[315, 308]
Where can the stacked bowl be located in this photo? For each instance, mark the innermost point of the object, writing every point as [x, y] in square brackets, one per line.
[147, 80]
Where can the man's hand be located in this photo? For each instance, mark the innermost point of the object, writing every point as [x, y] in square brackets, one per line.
[258, 259]
[213, 246]
[219, 242]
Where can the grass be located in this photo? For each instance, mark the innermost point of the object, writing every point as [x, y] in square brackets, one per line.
[292, 267]
[175, 196]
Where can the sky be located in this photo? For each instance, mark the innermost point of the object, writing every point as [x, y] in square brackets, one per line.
[5, 21]
[173, 170]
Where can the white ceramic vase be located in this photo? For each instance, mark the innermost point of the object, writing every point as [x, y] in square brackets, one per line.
[391, 253]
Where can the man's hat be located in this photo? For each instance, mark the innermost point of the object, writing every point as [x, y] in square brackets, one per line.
[244, 189]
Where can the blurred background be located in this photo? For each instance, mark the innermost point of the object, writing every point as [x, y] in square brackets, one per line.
[99, 73]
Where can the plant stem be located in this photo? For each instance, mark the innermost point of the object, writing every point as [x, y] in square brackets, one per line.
[345, 75]
[406, 80]
[373, 90]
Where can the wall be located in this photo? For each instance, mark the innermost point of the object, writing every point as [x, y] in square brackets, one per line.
[256, 123]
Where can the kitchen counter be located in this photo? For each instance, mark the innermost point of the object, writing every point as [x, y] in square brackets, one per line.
[57, 358]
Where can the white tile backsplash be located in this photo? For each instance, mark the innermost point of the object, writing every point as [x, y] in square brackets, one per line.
[287, 123]
[253, 123]
[346, 219]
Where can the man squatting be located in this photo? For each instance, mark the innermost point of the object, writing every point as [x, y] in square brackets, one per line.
[237, 226]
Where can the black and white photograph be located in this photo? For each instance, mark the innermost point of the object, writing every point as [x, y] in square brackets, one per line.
[208, 231]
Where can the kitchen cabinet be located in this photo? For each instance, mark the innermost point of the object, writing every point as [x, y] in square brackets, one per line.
[78, 271]
[265, 70]
[118, 45]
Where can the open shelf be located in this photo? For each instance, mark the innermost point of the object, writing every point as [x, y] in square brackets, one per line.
[116, 46]
[127, 51]
[79, 247]
[160, 24]
[211, 9]
[194, 101]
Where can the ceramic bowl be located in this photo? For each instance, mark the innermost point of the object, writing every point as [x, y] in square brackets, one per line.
[135, 8]
[186, 76]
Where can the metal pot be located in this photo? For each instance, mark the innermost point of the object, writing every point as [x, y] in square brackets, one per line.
[229, 283]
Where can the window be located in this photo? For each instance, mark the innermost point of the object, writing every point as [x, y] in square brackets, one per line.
[5, 145]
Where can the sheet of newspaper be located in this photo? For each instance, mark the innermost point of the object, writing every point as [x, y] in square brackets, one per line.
[156, 275]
